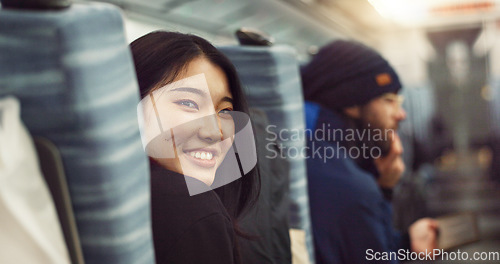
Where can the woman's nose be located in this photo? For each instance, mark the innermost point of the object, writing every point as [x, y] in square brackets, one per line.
[210, 128]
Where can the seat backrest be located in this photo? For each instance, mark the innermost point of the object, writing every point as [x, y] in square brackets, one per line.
[73, 74]
[271, 81]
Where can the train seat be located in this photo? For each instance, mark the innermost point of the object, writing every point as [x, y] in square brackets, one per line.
[71, 69]
[271, 81]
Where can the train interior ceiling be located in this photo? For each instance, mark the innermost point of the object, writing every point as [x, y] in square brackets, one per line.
[447, 54]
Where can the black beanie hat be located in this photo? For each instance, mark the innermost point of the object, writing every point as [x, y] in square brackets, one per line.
[347, 73]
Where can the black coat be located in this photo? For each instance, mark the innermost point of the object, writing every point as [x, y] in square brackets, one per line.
[268, 220]
[189, 229]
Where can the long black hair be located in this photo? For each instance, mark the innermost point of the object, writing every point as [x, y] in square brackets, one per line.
[160, 57]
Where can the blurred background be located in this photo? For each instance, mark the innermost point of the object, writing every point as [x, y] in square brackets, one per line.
[447, 54]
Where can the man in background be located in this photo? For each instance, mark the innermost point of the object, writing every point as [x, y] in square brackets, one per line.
[354, 110]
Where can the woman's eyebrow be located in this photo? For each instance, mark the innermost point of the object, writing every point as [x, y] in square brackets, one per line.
[189, 90]
[227, 99]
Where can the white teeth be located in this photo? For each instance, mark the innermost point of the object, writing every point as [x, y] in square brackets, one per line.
[201, 155]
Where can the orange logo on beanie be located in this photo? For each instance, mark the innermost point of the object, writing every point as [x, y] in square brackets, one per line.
[383, 79]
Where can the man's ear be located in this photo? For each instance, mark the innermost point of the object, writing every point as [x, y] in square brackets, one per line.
[353, 111]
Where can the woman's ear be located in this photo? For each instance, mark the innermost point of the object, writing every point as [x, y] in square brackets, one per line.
[353, 111]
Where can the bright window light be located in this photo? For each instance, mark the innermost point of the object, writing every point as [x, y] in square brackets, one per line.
[412, 11]
[401, 9]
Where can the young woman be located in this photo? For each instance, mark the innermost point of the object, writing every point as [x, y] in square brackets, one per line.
[191, 93]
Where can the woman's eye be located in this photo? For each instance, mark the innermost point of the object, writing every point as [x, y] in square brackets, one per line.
[225, 112]
[188, 103]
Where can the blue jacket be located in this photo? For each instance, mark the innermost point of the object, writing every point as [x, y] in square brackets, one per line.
[348, 210]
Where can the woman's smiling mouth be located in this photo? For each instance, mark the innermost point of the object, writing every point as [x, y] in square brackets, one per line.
[202, 157]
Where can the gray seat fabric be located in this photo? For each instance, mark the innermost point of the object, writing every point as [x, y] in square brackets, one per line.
[271, 80]
[74, 76]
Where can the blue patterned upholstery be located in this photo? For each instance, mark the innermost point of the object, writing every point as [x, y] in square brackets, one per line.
[74, 76]
[271, 79]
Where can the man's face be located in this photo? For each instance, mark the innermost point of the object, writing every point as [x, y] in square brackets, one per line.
[384, 114]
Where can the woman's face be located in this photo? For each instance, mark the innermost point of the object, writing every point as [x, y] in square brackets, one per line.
[188, 128]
